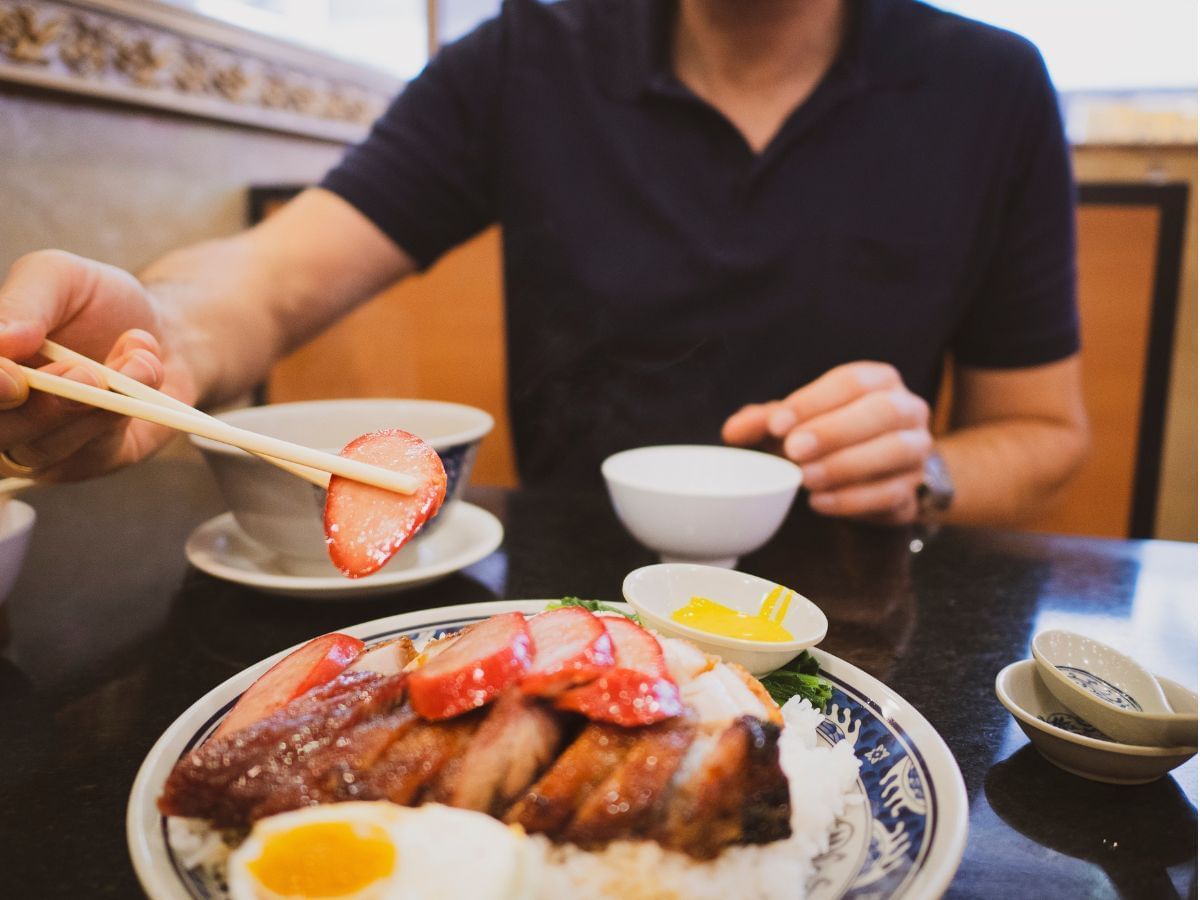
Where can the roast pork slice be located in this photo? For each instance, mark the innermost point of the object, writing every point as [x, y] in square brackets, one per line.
[730, 789]
[386, 658]
[226, 779]
[413, 761]
[331, 773]
[550, 803]
[625, 804]
[518, 738]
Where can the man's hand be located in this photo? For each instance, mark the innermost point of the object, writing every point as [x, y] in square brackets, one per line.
[215, 318]
[858, 433]
[102, 312]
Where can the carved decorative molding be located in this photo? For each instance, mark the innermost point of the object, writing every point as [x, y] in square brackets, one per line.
[155, 55]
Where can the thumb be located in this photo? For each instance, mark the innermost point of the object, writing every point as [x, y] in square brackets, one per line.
[34, 299]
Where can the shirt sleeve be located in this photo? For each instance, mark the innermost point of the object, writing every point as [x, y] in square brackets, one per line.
[425, 174]
[1025, 313]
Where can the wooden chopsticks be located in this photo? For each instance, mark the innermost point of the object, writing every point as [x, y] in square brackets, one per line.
[115, 381]
[142, 402]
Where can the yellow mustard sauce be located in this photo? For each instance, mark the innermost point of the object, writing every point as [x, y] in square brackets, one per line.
[710, 616]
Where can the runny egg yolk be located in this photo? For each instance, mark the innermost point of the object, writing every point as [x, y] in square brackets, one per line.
[324, 859]
[717, 618]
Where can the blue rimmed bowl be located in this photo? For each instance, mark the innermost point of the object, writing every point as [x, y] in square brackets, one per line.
[284, 513]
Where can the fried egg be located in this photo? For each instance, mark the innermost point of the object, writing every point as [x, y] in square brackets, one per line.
[378, 851]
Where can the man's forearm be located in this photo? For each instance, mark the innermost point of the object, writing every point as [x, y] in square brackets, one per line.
[230, 308]
[1006, 473]
[226, 348]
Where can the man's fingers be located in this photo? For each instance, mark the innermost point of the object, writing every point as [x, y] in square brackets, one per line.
[14, 389]
[63, 442]
[837, 387]
[133, 339]
[890, 499]
[60, 442]
[860, 420]
[888, 454]
[141, 365]
[747, 426]
[43, 413]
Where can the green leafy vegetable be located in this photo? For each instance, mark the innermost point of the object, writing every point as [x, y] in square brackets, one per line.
[799, 678]
[592, 606]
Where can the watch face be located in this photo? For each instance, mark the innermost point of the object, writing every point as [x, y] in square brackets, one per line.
[935, 493]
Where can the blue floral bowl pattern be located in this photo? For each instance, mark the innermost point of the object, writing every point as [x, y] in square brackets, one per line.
[1097, 686]
[877, 847]
[1072, 723]
[457, 462]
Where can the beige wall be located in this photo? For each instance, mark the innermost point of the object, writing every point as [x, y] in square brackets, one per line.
[123, 184]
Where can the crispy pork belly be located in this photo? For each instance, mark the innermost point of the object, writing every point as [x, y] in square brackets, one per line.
[434, 646]
[330, 773]
[411, 763]
[729, 789]
[386, 658]
[225, 780]
[721, 694]
[548, 806]
[626, 804]
[684, 659]
[518, 738]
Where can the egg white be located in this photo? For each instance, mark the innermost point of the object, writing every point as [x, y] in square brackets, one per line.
[441, 853]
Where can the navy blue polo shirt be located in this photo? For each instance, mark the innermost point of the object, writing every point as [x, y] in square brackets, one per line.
[659, 274]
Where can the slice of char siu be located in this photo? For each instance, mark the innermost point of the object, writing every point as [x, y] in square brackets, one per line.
[330, 773]
[228, 779]
[547, 806]
[404, 771]
[729, 789]
[518, 737]
[627, 803]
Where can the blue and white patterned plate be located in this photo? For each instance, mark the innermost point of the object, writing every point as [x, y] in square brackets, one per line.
[904, 840]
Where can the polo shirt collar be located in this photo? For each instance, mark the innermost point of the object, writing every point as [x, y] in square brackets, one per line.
[634, 53]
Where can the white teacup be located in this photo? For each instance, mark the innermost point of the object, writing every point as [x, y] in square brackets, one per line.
[701, 504]
[285, 513]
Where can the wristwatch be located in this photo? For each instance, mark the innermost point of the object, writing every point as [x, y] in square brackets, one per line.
[935, 493]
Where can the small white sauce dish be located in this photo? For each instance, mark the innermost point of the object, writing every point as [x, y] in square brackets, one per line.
[702, 504]
[1071, 743]
[1112, 692]
[657, 591]
[16, 527]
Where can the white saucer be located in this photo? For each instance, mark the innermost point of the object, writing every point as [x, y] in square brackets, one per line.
[465, 535]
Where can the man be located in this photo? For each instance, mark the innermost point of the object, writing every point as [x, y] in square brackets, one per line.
[800, 206]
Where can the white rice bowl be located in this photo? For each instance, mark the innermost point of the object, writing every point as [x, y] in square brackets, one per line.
[821, 780]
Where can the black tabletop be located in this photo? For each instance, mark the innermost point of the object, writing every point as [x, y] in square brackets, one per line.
[109, 636]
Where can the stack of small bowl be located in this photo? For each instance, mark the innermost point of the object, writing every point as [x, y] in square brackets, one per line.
[1096, 713]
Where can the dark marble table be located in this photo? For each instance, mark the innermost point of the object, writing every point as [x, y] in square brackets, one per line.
[109, 636]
